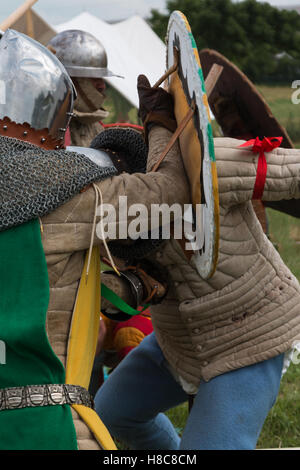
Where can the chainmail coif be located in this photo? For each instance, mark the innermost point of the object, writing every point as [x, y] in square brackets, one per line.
[35, 182]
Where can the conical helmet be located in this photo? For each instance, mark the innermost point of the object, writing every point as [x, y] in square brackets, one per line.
[82, 54]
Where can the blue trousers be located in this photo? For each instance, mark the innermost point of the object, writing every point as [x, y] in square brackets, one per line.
[227, 414]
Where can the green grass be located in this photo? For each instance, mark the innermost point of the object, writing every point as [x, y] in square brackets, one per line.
[285, 233]
[286, 112]
[282, 427]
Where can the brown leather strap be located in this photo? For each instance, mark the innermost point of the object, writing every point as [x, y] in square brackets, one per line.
[175, 136]
[152, 287]
[182, 242]
[210, 82]
[169, 71]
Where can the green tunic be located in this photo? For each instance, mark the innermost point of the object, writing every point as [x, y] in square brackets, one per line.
[29, 358]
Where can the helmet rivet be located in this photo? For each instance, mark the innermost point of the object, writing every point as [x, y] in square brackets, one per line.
[43, 140]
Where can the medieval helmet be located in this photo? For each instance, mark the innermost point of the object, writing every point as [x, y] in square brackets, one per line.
[35, 88]
[81, 53]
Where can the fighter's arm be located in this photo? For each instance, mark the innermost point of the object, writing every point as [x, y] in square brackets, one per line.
[69, 228]
[168, 185]
[237, 170]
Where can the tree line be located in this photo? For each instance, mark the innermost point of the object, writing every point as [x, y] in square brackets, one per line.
[260, 39]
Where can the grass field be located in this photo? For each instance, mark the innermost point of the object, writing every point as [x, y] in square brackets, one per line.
[287, 113]
[282, 427]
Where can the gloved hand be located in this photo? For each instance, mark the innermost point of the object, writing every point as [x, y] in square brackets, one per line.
[156, 106]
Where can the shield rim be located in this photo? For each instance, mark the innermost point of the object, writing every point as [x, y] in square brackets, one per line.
[206, 267]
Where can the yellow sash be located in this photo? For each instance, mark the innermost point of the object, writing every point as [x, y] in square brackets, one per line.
[82, 344]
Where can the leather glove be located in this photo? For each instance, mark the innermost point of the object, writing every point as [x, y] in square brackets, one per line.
[156, 106]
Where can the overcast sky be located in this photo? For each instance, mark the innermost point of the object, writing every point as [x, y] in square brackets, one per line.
[59, 11]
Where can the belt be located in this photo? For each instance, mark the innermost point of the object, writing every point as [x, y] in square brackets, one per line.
[29, 396]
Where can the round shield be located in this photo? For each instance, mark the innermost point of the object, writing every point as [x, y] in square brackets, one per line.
[187, 86]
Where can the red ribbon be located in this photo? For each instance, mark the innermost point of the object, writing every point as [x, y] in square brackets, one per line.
[261, 146]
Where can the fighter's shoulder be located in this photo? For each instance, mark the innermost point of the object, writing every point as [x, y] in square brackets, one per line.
[227, 142]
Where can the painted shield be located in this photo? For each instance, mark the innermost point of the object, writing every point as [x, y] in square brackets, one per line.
[187, 86]
[242, 113]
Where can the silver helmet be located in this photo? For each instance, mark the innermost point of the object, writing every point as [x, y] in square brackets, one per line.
[81, 53]
[34, 86]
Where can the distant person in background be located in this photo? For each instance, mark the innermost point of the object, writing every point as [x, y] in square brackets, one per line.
[85, 59]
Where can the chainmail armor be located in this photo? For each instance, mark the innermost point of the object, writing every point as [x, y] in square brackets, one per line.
[35, 182]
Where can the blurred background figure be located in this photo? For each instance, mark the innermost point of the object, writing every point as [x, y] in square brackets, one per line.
[85, 59]
[115, 340]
